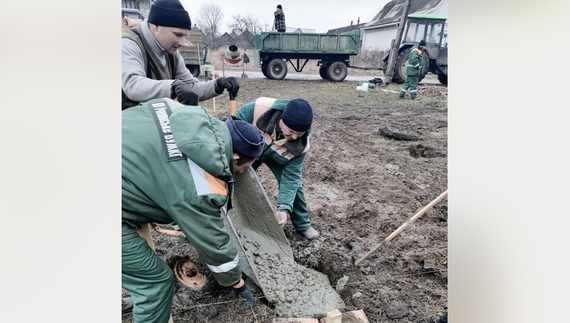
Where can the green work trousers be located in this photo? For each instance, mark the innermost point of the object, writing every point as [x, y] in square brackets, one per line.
[300, 214]
[412, 84]
[146, 277]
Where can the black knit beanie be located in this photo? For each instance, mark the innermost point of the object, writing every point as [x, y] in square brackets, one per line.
[246, 139]
[279, 6]
[422, 43]
[169, 13]
[298, 115]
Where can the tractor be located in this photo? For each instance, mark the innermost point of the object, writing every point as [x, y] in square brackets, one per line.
[431, 28]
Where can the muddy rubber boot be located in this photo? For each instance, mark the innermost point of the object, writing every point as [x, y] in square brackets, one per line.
[310, 233]
[126, 305]
[401, 94]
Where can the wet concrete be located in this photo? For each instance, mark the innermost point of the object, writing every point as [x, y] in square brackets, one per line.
[305, 77]
[266, 255]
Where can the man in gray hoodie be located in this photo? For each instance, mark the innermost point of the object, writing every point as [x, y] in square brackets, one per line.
[152, 67]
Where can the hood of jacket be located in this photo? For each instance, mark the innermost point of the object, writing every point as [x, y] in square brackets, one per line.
[204, 139]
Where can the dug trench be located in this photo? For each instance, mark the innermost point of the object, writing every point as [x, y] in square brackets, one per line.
[361, 182]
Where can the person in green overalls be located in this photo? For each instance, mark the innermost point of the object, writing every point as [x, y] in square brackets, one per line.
[413, 70]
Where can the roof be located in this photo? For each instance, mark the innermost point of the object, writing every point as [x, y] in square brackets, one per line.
[426, 16]
[299, 30]
[226, 36]
[345, 29]
[392, 11]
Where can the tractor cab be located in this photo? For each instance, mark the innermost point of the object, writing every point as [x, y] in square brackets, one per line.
[432, 29]
[429, 27]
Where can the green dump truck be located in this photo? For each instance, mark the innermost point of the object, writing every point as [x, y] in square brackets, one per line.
[195, 52]
[332, 52]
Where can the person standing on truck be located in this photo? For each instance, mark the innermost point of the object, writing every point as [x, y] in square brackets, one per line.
[285, 126]
[152, 67]
[178, 164]
[279, 21]
[413, 71]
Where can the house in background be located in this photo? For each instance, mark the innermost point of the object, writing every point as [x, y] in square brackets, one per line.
[224, 41]
[377, 34]
[299, 30]
[346, 29]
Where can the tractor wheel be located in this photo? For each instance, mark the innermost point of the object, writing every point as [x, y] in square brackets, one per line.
[425, 67]
[276, 69]
[323, 72]
[194, 70]
[442, 78]
[401, 66]
[337, 71]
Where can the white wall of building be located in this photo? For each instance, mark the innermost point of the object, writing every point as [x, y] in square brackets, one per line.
[378, 39]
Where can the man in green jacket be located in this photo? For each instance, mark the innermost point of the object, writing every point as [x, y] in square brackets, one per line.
[285, 126]
[413, 70]
[178, 165]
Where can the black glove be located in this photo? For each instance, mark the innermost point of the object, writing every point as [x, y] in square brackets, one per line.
[229, 83]
[184, 94]
[245, 292]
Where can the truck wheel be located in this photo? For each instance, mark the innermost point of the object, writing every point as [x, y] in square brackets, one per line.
[194, 70]
[337, 71]
[323, 72]
[442, 78]
[276, 69]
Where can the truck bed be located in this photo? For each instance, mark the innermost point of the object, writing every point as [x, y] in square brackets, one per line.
[307, 43]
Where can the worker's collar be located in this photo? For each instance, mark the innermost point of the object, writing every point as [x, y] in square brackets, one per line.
[154, 44]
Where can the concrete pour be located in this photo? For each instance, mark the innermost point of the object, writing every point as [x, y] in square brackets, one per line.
[296, 291]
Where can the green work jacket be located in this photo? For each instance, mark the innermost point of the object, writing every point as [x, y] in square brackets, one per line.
[265, 114]
[415, 62]
[177, 166]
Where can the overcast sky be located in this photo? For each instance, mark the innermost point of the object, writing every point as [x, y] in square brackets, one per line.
[319, 15]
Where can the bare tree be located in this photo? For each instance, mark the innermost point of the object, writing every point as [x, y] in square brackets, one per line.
[252, 24]
[209, 18]
[237, 25]
[240, 24]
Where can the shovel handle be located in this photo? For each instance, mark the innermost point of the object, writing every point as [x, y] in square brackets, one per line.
[232, 104]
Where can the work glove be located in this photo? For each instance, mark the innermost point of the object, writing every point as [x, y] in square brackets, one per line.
[245, 292]
[229, 83]
[185, 94]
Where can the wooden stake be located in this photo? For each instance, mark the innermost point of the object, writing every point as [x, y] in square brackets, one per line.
[403, 226]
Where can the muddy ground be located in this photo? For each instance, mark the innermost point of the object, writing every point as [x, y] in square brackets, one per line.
[375, 160]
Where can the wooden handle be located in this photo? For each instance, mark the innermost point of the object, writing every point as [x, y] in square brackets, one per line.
[403, 226]
[232, 107]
